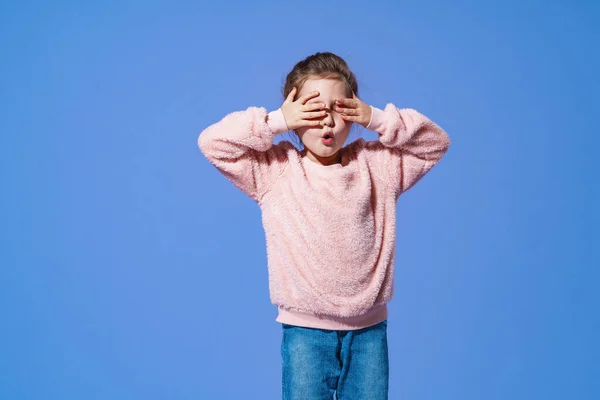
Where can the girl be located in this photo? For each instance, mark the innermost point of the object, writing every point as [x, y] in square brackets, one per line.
[329, 215]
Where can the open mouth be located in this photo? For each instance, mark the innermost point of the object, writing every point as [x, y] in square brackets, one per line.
[327, 138]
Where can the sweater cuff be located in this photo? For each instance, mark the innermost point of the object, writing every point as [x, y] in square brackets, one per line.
[276, 122]
[377, 123]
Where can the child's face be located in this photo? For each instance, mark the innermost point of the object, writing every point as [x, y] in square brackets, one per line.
[312, 138]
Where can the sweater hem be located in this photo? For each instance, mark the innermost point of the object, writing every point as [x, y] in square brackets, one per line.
[306, 319]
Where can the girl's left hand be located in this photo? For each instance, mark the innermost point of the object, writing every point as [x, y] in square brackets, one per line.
[353, 110]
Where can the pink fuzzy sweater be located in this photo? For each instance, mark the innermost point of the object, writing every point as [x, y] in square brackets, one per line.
[330, 230]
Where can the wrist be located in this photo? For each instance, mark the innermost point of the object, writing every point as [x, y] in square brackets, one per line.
[368, 123]
[276, 121]
[377, 121]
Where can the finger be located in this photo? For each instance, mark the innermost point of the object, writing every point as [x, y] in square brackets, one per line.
[315, 114]
[291, 95]
[346, 111]
[313, 106]
[347, 117]
[311, 122]
[308, 96]
[347, 102]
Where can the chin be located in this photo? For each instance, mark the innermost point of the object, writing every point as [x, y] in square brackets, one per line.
[322, 151]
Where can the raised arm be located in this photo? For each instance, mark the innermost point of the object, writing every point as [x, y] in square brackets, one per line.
[241, 144]
[241, 147]
[415, 142]
[409, 144]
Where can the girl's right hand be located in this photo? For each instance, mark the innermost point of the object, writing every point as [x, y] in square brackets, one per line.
[298, 114]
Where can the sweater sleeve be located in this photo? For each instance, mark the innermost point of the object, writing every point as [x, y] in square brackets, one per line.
[241, 147]
[409, 145]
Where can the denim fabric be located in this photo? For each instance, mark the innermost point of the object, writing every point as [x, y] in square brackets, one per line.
[317, 363]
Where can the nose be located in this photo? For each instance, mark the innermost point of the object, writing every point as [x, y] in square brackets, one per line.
[328, 120]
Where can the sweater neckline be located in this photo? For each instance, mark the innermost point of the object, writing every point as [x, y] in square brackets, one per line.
[337, 166]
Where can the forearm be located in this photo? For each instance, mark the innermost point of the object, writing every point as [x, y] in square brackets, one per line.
[409, 130]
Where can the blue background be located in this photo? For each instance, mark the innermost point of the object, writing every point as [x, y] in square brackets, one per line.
[131, 269]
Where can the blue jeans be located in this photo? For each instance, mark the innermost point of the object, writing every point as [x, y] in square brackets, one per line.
[317, 363]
